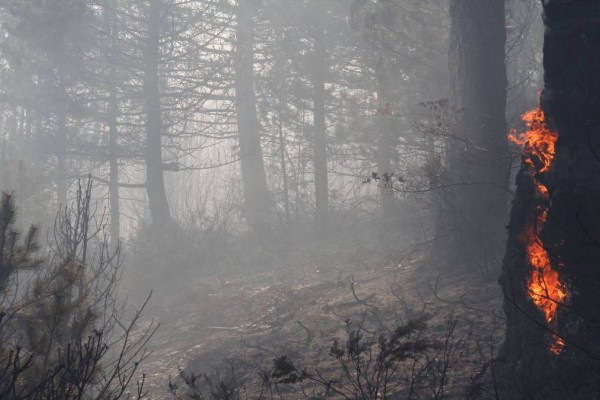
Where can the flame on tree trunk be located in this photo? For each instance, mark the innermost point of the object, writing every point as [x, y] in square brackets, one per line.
[545, 287]
[551, 274]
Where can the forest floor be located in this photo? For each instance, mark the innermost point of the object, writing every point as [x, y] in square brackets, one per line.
[301, 308]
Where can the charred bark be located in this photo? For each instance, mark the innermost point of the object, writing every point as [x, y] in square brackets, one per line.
[473, 214]
[571, 233]
[254, 180]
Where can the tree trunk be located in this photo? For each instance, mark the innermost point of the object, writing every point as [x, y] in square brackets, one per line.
[155, 182]
[385, 133]
[61, 154]
[62, 134]
[536, 364]
[385, 139]
[320, 132]
[113, 183]
[254, 179]
[283, 166]
[472, 218]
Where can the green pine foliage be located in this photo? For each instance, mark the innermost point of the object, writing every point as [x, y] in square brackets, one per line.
[58, 313]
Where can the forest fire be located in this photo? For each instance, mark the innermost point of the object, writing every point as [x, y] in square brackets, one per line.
[545, 287]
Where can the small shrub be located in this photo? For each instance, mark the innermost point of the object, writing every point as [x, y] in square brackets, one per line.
[58, 318]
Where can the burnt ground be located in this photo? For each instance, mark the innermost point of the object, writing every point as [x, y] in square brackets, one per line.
[298, 310]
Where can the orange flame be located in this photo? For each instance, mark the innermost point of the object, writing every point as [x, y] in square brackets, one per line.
[538, 142]
[545, 287]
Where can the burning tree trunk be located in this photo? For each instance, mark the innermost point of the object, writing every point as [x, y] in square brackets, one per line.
[472, 217]
[550, 279]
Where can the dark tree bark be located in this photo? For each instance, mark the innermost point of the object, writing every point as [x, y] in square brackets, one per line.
[155, 181]
[571, 233]
[254, 180]
[320, 131]
[472, 217]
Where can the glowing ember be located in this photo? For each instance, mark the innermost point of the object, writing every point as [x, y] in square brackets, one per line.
[545, 288]
[557, 346]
